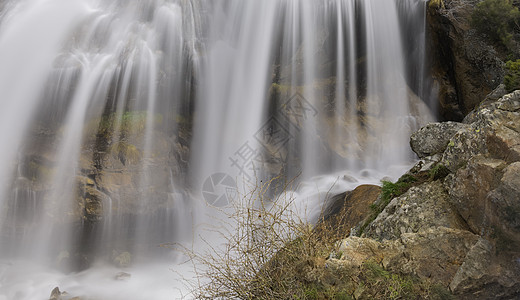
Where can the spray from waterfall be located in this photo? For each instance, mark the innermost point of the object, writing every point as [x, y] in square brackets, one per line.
[127, 124]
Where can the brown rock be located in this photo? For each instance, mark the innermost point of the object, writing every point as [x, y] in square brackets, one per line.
[504, 207]
[469, 187]
[483, 276]
[434, 254]
[465, 67]
[348, 209]
[504, 143]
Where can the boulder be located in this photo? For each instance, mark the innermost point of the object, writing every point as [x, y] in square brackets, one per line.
[421, 207]
[347, 209]
[466, 143]
[469, 187]
[434, 254]
[433, 138]
[482, 277]
[461, 229]
[504, 208]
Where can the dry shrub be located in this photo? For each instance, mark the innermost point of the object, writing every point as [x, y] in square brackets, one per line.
[268, 250]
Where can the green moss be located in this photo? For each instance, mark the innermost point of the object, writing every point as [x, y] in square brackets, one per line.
[496, 19]
[436, 4]
[438, 172]
[389, 191]
[512, 76]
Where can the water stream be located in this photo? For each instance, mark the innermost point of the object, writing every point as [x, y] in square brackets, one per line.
[126, 124]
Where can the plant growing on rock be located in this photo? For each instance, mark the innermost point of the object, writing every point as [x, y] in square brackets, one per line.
[497, 19]
[439, 171]
[271, 253]
[512, 77]
[391, 190]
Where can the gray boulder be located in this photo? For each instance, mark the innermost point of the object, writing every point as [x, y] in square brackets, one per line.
[434, 138]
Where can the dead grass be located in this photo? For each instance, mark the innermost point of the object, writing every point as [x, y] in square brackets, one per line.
[269, 252]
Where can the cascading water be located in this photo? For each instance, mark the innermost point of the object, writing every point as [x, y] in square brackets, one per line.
[123, 120]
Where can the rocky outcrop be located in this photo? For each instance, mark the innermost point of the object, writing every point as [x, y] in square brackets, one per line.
[433, 138]
[124, 171]
[461, 229]
[56, 294]
[435, 254]
[465, 67]
[347, 209]
[419, 209]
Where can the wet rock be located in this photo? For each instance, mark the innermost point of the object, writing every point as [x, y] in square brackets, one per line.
[91, 202]
[465, 67]
[421, 207]
[55, 294]
[122, 276]
[122, 260]
[433, 138]
[348, 209]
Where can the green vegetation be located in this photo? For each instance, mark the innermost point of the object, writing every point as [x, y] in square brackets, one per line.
[496, 19]
[272, 254]
[512, 76]
[389, 191]
[381, 284]
[436, 4]
[439, 171]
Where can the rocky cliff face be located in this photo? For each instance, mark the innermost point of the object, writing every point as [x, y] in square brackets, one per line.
[116, 178]
[465, 66]
[460, 229]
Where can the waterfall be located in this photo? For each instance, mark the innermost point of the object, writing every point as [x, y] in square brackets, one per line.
[126, 123]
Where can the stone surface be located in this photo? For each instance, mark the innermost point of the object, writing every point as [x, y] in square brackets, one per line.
[462, 230]
[465, 144]
[433, 138]
[465, 67]
[469, 187]
[122, 260]
[421, 207]
[505, 202]
[55, 294]
[435, 254]
[482, 276]
[347, 209]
